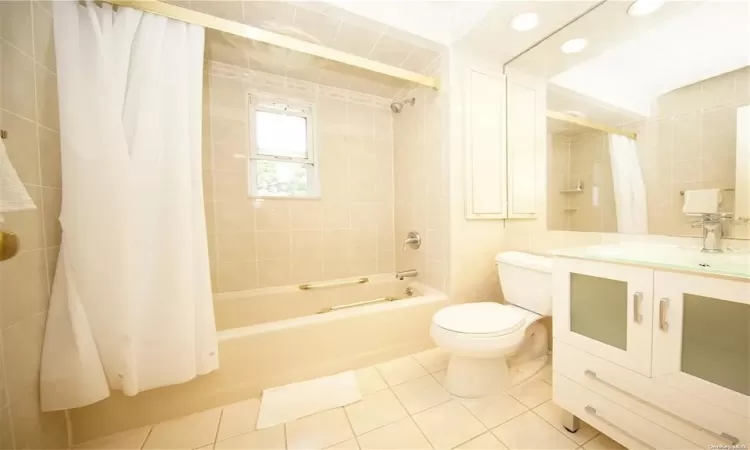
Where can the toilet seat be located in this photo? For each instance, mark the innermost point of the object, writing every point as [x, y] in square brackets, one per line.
[479, 320]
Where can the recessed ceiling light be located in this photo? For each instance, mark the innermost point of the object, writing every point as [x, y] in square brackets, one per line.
[525, 21]
[574, 45]
[644, 7]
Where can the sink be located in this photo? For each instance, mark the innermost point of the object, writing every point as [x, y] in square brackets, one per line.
[729, 263]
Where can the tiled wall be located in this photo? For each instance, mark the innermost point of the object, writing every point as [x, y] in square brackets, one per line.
[558, 172]
[28, 111]
[421, 184]
[690, 143]
[348, 232]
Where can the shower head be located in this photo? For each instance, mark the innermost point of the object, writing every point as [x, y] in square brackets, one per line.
[398, 106]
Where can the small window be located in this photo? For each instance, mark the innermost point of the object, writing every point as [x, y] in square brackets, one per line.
[282, 151]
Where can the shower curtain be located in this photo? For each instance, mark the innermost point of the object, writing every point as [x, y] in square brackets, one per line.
[630, 191]
[131, 305]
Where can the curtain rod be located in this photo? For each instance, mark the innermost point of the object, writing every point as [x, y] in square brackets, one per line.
[269, 37]
[589, 124]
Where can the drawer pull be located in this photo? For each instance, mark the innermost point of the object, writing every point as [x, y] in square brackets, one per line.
[663, 307]
[730, 438]
[637, 300]
[591, 410]
[591, 374]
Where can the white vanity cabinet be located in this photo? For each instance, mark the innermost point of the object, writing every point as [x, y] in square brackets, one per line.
[653, 358]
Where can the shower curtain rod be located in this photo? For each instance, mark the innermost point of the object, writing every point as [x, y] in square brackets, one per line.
[269, 37]
[589, 124]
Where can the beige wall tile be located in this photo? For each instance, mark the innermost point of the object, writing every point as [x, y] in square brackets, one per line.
[44, 44]
[276, 272]
[6, 429]
[237, 276]
[234, 216]
[51, 201]
[15, 24]
[272, 215]
[46, 98]
[236, 247]
[306, 215]
[49, 156]
[23, 290]
[22, 352]
[273, 244]
[35, 429]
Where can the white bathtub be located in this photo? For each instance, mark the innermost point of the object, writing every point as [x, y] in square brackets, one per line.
[274, 336]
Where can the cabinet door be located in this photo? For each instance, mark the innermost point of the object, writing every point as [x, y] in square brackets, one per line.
[702, 338]
[605, 309]
[486, 196]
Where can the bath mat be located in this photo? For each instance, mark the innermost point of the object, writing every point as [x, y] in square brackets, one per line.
[286, 403]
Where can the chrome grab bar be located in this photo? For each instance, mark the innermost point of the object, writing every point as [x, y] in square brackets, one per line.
[591, 410]
[307, 287]
[591, 374]
[352, 305]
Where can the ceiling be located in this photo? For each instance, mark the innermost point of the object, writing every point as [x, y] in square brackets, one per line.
[707, 40]
[492, 37]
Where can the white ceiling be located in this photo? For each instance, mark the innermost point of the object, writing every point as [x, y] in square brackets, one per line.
[708, 40]
[440, 21]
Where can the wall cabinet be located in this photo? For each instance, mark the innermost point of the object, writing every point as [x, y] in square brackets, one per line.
[504, 129]
[672, 348]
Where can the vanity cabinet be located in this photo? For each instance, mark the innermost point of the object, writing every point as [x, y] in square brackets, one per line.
[653, 358]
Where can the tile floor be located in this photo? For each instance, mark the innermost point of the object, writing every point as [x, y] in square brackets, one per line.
[405, 406]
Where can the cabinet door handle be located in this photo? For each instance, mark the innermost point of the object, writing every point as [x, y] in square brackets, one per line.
[591, 410]
[637, 300]
[663, 308]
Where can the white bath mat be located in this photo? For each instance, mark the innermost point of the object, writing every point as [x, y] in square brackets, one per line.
[286, 403]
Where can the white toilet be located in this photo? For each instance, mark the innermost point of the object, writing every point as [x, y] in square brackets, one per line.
[481, 337]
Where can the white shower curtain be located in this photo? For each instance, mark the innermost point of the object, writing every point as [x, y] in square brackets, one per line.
[131, 305]
[630, 191]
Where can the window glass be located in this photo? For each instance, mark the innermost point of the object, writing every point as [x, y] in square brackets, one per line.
[282, 179]
[281, 135]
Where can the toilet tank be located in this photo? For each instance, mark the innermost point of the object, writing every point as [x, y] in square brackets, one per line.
[526, 280]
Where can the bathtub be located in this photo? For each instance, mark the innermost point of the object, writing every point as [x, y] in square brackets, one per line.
[275, 336]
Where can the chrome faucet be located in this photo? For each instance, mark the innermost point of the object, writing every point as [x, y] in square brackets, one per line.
[410, 273]
[712, 231]
[413, 240]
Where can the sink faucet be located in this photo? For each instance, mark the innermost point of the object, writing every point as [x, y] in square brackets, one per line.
[410, 273]
[712, 231]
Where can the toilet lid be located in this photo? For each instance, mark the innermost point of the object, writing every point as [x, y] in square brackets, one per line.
[479, 318]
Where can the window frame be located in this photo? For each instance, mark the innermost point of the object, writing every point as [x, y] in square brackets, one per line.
[288, 107]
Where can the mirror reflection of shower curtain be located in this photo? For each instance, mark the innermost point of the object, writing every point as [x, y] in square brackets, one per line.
[630, 190]
[131, 306]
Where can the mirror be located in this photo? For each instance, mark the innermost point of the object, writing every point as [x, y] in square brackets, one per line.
[642, 109]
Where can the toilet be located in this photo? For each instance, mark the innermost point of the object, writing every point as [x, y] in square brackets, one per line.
[481, 337]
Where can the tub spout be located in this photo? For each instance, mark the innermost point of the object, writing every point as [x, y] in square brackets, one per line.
[406, 274]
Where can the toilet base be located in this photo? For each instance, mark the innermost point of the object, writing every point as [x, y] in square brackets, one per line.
[477, 377]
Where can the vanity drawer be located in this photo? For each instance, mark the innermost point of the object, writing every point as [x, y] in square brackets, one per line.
[694, 419]
[619, 423]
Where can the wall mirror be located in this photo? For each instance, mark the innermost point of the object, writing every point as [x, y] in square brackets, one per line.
[644, 100]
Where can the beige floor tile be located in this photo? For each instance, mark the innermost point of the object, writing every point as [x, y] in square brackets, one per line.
[374, 411]
[420, 394]
[448, 425]
[546, 374]
[529, 431]
[268, 439]
[401, 370]
[205, 447]
[603, 442]
[494, 409]
[532, 393]
[193, 431]
[320, 430]
[125, 440]
[351, 444]
[440, 376]
[433, 360]
[370, 380]
[238, 418]
[486, 441]
[403, 434]
[554, 415]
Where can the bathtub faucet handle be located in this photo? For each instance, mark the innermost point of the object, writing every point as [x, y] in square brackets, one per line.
[413, 240]
[410, 273]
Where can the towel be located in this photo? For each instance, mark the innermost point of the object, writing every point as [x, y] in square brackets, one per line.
[13, 194]
[702, 201]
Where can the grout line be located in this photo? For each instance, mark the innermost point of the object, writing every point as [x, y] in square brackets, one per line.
[553, 426]
[351, 427]
[150, 430]
[218, 426]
